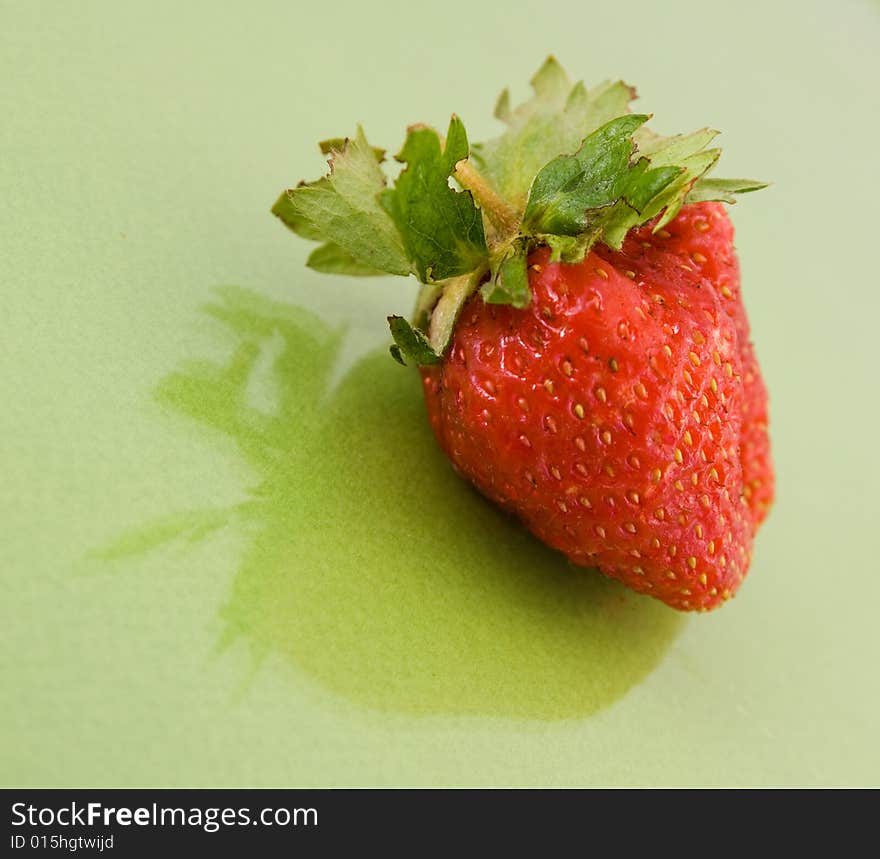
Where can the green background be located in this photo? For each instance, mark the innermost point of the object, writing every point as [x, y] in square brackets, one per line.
[230, 552]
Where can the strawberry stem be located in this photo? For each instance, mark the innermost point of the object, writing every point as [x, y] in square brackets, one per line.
[427, 299]
[456, 290]
[502, 216]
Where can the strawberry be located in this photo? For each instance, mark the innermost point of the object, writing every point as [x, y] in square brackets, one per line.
[583, 344]
[613, 415]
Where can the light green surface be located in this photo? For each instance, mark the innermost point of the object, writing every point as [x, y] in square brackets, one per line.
[319, 619]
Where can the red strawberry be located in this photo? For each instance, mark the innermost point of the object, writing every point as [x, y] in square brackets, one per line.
[584, 348]
[621, 415]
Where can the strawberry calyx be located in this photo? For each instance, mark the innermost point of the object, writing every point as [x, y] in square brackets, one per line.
[574, 168]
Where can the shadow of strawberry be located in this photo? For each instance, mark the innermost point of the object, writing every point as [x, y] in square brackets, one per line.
[368, 563]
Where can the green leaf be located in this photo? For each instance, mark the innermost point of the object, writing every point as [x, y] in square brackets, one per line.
[292, 219]
[409, 342]
[332, 259]
[509, 284]
[672, 150]
[553, 122]
[686, 151]
[597, 187]
[573, 167]
[623, 175]
[343, 209]
[337, 144]
[557, 121]
[722, 190]
[442, 229]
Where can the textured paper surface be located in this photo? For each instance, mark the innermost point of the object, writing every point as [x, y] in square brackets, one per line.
[218, 567]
